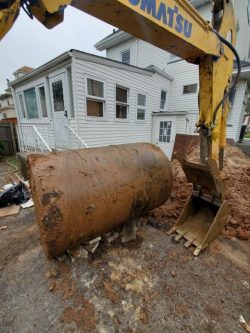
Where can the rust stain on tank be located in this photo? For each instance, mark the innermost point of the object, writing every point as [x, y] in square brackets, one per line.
[90, 191]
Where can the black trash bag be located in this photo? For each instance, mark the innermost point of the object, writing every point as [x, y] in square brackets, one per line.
[16, 194]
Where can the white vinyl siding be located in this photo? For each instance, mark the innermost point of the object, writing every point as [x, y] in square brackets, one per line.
[113, 131]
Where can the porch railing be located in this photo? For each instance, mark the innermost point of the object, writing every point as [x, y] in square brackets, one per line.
[31, 140]
[76, 142]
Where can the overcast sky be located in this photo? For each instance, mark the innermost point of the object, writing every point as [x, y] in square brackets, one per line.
[28, 43]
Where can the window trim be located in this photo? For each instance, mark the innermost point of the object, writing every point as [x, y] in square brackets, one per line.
[96, 98]
[141, 107]
[125, 51]
[117, 85]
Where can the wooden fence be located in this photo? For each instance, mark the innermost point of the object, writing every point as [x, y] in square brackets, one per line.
[8, 137]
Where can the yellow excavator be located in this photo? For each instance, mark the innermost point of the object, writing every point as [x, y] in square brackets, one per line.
[174, 26]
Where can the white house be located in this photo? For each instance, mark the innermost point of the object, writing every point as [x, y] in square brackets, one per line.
[137, 93]
[182, 100]
[79, 98]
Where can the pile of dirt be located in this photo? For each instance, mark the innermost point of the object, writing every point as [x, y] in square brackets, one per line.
[237, 180]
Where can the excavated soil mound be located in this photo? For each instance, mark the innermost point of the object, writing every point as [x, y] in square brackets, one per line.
[237, 169]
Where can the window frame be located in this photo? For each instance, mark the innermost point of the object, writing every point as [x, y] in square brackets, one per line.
[166, 101]
[22, 113]
[39, 100]
[21, 90]
[126, 51]
[117, 85]
[96, 98]
[139, 92]
[190, 93]
[231, 108]
[38, 111]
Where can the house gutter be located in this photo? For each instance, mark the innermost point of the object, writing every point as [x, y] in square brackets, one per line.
[40, 70]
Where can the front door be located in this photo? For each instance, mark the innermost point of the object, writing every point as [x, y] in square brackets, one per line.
[165, 134]
[60, 117]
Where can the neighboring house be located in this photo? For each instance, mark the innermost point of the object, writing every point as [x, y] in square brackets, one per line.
[80, 98]
[7, 108]
[182, 101]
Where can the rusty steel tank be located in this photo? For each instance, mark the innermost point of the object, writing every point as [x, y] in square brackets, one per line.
[79, 194]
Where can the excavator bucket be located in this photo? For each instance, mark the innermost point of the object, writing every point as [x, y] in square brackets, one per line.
[205, 213]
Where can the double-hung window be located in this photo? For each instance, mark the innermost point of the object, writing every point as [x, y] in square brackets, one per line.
[122, 102]
[95, 98]
[141, 107]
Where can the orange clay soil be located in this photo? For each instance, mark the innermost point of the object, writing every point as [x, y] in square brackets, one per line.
[237, 179]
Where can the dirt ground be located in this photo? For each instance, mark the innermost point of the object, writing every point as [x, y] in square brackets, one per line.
[153, 284]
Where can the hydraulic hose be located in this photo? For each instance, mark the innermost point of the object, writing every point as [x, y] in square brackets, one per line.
[230, 46]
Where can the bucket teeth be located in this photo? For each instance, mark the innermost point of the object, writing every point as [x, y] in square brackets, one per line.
[171, 231]
[179, 236]
[197, 251]
[189, 243]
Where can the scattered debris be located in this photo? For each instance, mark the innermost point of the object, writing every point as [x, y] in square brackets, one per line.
[7, 186]
[28, 204]
[51, 273]
[92, 244]
[77, 253]
[52, 286]
[129, 231]
[3, 227]
[245, 284]
[173, 274]
[62, 257]
[111, 236]
[92, 247]
[16, 194]
[244, 323]
[10, 210]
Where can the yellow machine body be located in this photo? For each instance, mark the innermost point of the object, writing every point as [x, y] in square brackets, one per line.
[174, 26]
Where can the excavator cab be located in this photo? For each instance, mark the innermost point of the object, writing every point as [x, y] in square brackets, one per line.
[206, 211]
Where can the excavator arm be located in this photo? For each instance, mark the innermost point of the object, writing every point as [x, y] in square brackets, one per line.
[174, 26]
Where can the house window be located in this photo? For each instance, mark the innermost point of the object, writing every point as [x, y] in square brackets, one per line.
[57, 90]
[231, 99]
[121, 103]
[141, 107]
[20, 96]
[95, 98]
[126, 57]
[163, 100]
[165, 131]
[31, 103]
[190, 89]
[42, 99]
